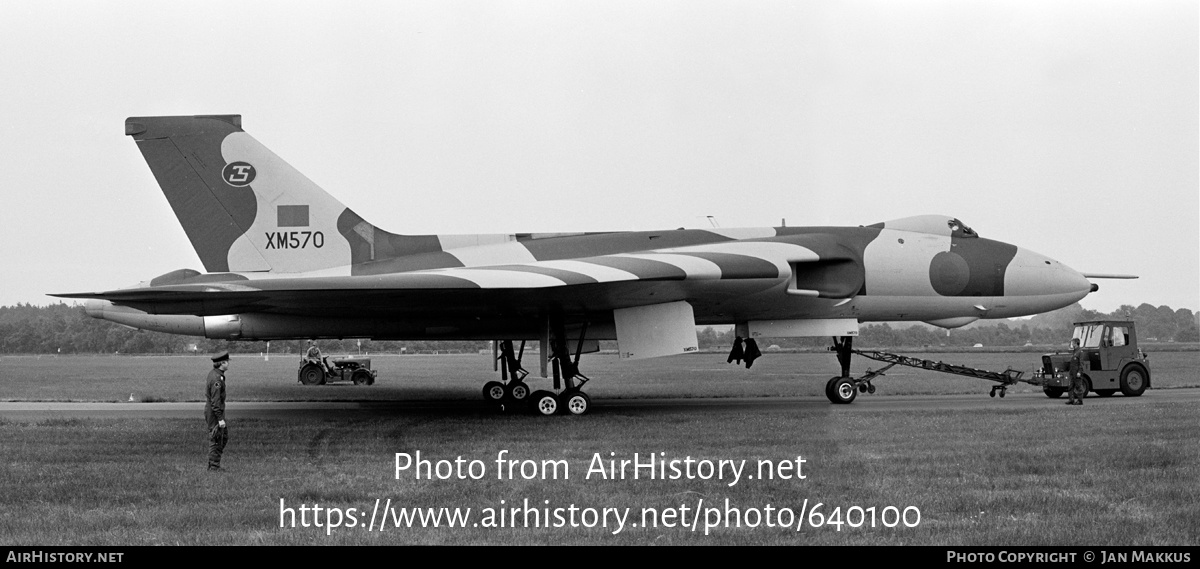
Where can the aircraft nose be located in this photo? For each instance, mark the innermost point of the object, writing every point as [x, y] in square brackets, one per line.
[1033, 274]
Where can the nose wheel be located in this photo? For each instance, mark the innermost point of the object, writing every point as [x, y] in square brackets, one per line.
[841, 390]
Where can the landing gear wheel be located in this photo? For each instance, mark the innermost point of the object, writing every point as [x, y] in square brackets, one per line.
[1133, 380]
[576, 402]
[361, 377]
[544, 403]
[841, 390]
[493, 392]
[517, 390]
[1105, 392]
[829, 387]
[312, 374]
[1054, 392]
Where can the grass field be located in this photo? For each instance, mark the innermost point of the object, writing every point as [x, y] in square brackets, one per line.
[1113, 474]
[1108, 475]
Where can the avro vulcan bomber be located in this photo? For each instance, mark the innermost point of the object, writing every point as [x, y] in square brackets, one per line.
[284, 260]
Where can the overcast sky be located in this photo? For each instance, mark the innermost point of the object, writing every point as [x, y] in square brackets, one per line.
[1069, 128]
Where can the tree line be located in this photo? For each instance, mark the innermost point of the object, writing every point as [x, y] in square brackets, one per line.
[66, 329]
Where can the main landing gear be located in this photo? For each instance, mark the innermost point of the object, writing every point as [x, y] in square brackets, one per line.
[512, 387]
[569, 401]
[572, 400]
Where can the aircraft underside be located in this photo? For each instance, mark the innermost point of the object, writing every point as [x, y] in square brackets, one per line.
[562, 338]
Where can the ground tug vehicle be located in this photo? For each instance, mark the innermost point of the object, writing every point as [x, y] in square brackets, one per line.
[357, 370]
[1111, 362]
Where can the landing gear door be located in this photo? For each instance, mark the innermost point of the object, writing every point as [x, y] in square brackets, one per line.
[656, 330]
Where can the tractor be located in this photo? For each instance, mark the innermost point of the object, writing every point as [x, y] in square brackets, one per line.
[357, 370]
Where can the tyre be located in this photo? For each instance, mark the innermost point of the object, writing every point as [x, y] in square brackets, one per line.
[1084, 387]
[517, 390]
[842, 391]
[1054, 392]
[576, 402]
[493, 392]
[829, 386]
[544, 403]
[1134, 380]
[361, 377]
[312, 374]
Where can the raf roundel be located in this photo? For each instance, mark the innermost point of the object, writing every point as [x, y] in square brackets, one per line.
[238, 174]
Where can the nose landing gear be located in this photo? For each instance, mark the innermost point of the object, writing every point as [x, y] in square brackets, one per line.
[842, 389]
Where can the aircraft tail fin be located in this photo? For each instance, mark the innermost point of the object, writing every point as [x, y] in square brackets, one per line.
[245, 209]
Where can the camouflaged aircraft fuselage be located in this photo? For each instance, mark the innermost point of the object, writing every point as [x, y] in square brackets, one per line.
[287, 260]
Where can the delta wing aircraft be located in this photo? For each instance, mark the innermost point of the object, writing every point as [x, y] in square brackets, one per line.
[286, 260]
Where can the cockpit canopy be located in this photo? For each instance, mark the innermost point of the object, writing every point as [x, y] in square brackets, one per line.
[931, 224]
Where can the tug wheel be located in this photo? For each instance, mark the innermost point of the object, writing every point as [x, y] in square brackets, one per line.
[1085, 386]
[1133, 380]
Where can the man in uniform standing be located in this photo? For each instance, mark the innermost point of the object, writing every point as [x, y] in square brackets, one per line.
[214, 410]
[1075, 369]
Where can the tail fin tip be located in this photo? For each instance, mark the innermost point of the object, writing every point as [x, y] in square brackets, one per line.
[137, 126]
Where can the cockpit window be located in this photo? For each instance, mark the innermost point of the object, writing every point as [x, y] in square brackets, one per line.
[958, 229]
